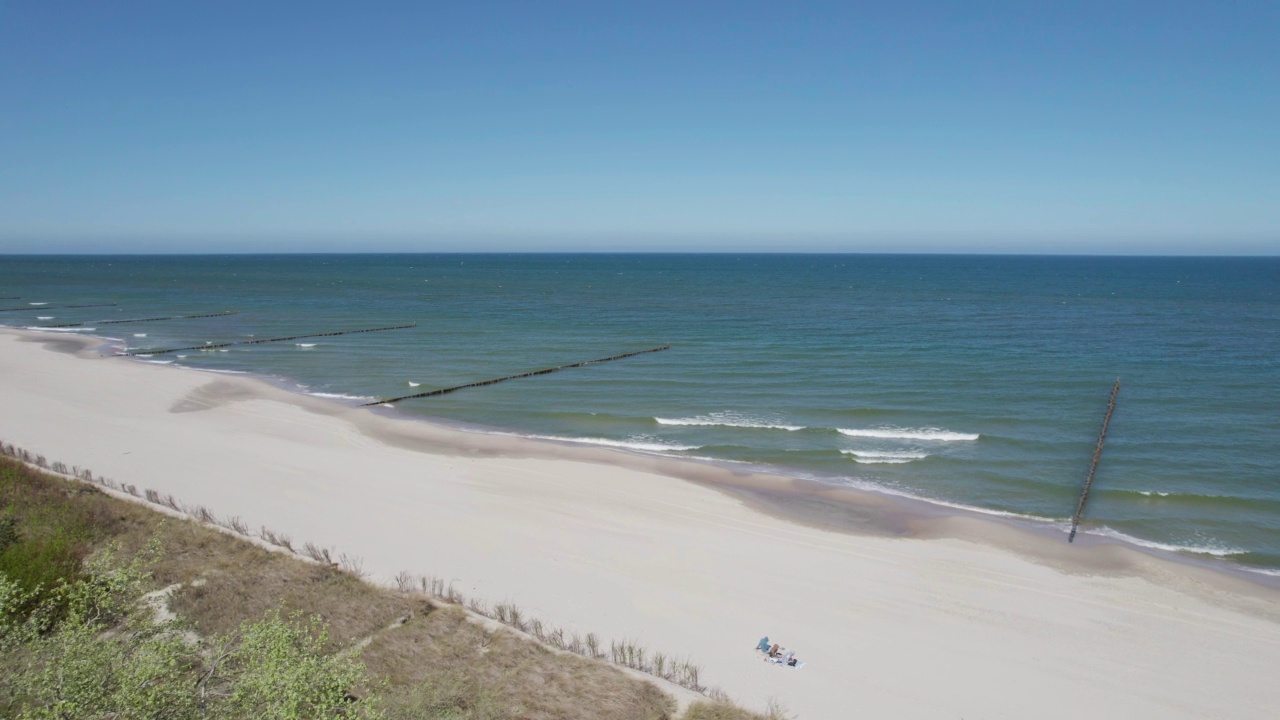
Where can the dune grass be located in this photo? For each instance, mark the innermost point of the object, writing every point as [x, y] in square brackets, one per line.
[425, 656]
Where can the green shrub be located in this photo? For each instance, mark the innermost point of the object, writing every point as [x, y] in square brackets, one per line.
[89, 649]
[42, 562]
[8, 533]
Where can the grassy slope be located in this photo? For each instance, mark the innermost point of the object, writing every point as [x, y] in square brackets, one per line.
[429, 660]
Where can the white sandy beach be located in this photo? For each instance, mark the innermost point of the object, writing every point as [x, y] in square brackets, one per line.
[967, 619]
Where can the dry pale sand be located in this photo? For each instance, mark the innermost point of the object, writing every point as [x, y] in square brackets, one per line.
[962, 618]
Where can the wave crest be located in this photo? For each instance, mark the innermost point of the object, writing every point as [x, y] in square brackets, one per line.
[879, 457]
[342, 396]
[635, 444]
[893, 433]
[1211, 547]
[728, 419]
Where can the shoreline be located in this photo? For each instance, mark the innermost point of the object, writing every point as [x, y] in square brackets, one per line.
[811, 502]
[674, 553]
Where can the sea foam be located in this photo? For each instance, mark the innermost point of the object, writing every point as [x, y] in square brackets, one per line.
[1211, 547]
[892, 433]
[644, 445]
[342, 396]
[728, 419]
[877, 457]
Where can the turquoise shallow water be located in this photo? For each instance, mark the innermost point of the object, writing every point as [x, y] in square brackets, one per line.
[973, 380]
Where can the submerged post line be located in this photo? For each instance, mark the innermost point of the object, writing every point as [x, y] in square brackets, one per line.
[42, 308]
[1093, 466]
[210, 346]
[544, 371]
[150, 319]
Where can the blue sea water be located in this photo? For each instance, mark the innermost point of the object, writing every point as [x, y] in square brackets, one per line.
[978, 381]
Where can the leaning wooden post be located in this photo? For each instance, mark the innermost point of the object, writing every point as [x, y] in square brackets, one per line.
[1093, 466]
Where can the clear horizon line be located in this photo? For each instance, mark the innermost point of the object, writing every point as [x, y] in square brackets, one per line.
[646, 252]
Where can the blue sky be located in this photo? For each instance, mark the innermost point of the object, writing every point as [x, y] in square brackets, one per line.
[1113, 127]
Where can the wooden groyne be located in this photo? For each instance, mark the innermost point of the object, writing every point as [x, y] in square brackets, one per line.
[211, 346]
[545, 371]
[139, 320]
[1093, 466]
[42, 308]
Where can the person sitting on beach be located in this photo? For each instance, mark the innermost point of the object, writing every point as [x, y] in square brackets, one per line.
[791, 660]
[763, 645]
[775, 650]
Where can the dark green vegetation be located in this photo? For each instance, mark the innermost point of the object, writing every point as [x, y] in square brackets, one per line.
[256, 633]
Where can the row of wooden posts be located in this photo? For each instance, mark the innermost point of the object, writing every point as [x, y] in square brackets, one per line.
[495, 381]
[1093, 464]
[1075, 518]
[142, 320]
[260, 341]
[211, 346]
[42, 308]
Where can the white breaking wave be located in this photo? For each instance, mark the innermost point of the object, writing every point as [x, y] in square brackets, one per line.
[647, 446]
[728, 419]
[70, 330]
[890, 490]
[909, 454]
[180, 357]
[413, 384]
[306, 345]
[45, 317]
[139, 334]
[1153, 493]
[1215, 549]
[892, 433]
[876, 457]
[342, 396]
[43, 303]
